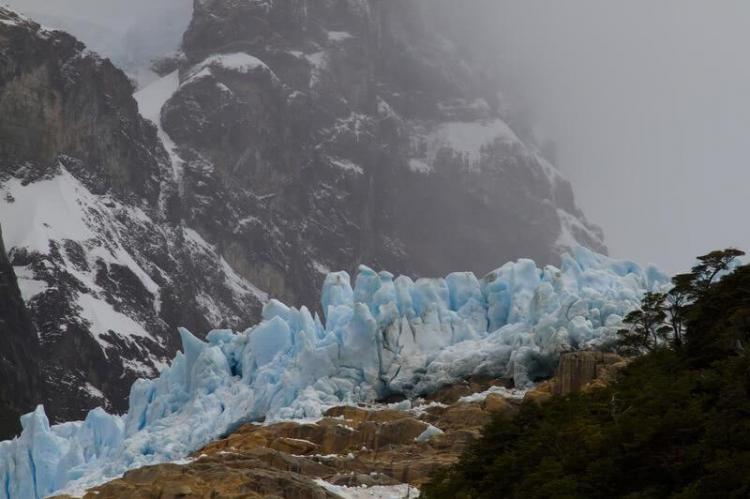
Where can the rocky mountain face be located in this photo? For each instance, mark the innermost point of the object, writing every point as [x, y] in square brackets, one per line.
[287, 139]
[319, 135]
[92, 225]
[20, 388]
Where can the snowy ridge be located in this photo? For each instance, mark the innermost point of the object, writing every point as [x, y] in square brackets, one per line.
[61, 208]
[238, 62]
[65, 237]
[380, 337]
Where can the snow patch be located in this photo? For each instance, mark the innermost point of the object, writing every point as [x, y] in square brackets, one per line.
[339, 36]
[104, 318]
[238, 62]
[150, 101]
[468, 138]
[29, 286]
[59, 209]
[376, 492]
[321, 268]
[347, 165]
[510, 394]
[317, 59]
[419, 166]
[94, 391]
[51, 209]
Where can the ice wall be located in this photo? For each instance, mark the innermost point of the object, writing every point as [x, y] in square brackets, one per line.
[385, 335]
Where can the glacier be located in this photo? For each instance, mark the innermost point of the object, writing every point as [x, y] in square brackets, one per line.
[384, 335]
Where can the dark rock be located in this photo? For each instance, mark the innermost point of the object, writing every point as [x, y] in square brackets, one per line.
[20, 389]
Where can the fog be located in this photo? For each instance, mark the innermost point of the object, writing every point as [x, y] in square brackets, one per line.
[647, 103]
[130, 32]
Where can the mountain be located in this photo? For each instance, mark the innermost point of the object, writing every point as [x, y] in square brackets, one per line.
[91, 221]
[288, 139]
[383, 338]
[321, 135]
[130, 34]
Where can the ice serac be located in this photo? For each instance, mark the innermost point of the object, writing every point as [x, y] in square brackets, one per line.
[382, 336]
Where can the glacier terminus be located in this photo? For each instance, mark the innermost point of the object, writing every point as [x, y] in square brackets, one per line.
[379, 337]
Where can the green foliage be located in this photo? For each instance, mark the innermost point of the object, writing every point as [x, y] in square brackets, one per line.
[647, 327]
[719, 321]
[675, 424]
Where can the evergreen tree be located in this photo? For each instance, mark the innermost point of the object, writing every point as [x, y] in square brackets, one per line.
[647, 326]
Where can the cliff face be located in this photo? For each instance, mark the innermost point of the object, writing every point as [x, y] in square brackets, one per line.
[20, 388]
[59, 101]
[335, 133]
[91, 218]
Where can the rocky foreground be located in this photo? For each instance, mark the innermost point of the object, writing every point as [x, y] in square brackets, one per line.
[388, 450]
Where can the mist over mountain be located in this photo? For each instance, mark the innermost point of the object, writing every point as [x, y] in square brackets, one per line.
[646, 106]
[622, 101]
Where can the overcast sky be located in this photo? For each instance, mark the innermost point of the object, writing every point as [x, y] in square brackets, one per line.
[648, 102]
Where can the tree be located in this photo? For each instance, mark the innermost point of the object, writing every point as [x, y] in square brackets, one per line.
[678, 299]
[690, 287]
[710, 267]
[647, 327]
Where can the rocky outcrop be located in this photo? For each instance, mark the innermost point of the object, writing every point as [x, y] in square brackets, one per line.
[20, 388]
[350, 446]
[61, 104]
[578, 372]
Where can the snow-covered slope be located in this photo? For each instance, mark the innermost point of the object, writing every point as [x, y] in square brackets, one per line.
[90, 207]
[384, 336]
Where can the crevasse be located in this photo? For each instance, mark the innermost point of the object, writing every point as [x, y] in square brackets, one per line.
[386, 335]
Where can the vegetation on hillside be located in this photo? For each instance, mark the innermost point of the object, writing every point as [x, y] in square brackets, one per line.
[675, 424]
